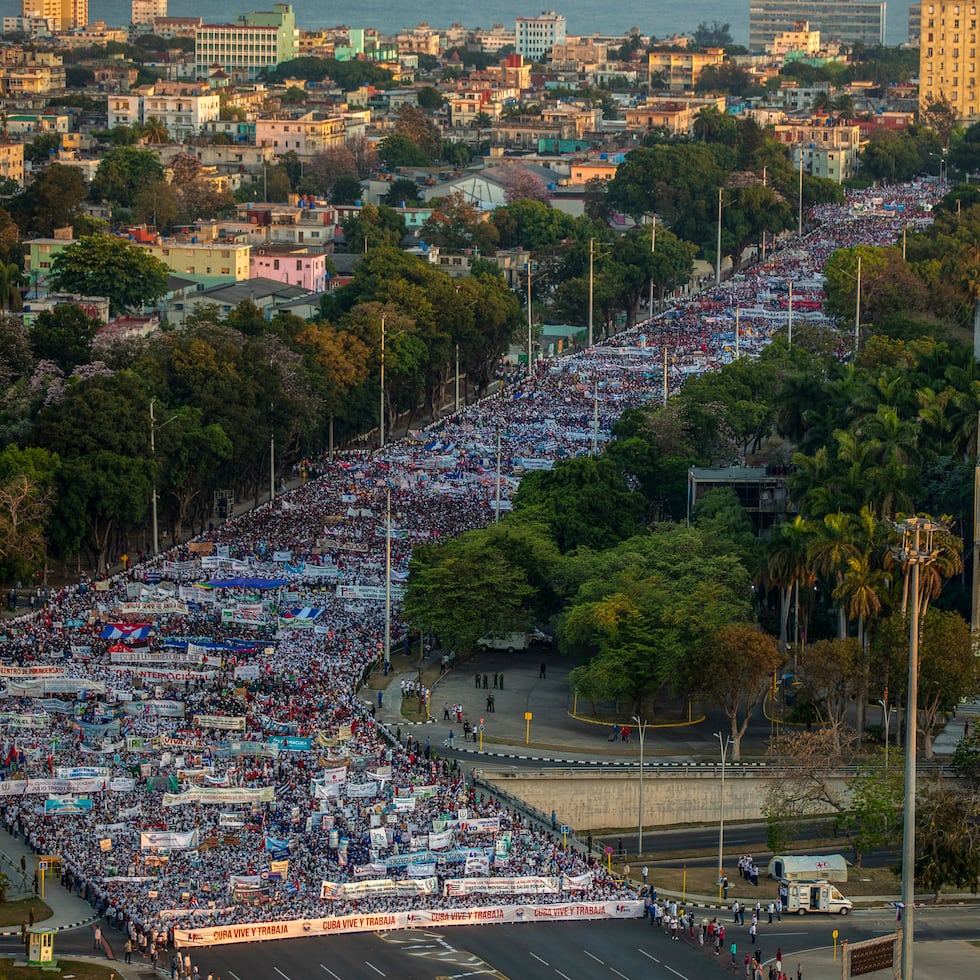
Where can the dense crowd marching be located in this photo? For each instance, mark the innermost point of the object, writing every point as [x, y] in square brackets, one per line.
[209, 694]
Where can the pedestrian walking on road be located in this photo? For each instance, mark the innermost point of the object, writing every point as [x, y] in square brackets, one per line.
[97, 942]
[542, 673]
[771, 911]
[735, 908]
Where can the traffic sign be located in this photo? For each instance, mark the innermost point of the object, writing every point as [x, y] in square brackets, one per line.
[528, 716]
[482, 729]
[565, 828]
[609, 850]
[835, 934]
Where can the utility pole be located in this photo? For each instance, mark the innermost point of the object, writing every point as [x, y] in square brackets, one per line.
[789, 327]
[381, 416]
[801, 194]
[765, 171]
[530, 349]
[496, 516]
[153, 498]
[653, 251]
[975, 605]
[591, 283]
[738, 354]
[721, 191]
[457, 378]
[388, 580]
[666, 378]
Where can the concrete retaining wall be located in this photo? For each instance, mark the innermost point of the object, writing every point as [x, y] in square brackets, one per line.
[594, 799]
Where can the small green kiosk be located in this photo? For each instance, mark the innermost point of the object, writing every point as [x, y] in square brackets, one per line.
[40, 948]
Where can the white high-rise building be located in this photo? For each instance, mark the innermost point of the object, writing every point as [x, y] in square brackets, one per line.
[536, 36]
[145, 10]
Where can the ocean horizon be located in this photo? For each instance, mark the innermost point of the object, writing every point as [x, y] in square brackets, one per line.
[661, 18]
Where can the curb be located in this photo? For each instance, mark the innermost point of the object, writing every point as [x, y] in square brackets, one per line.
[64, 928]
[634, 763]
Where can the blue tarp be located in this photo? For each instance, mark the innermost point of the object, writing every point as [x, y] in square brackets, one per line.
[248, 583]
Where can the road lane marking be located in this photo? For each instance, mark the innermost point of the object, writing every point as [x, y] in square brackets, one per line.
[672, 970]
[563, 975]
[538, 958]
[648, 956]
[276, 968]
[236, 976]
[596, 958]
[618, 974]
[373, 967]
[328, 970]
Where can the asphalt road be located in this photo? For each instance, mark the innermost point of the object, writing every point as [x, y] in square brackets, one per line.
[612, 950]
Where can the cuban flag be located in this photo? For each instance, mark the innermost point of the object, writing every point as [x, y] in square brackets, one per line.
[126, 631]
[307, 613]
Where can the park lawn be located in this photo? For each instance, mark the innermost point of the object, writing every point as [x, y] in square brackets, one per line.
[69, 968]
[17, 913]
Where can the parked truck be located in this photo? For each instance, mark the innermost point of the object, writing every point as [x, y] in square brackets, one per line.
[813, 896]
[808, 867]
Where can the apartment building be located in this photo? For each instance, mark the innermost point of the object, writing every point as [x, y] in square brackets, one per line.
[536, 36]
[822, 147]
[800, 38]
[28, 73]
[67, 15]
[12, 161]
[675, 115]
[948, 57]
[183, 107]
[294, 265]
[259, 40]
[681, 70]
[144, 11]
[306, 134]
[836, 20]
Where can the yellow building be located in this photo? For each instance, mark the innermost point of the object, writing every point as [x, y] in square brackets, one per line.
[67, 14]
[12, 161]
[674, 114]
[800, 38]
[681, 70]
[209, 263]
[306, 134]
[948, 57]
[27, 73]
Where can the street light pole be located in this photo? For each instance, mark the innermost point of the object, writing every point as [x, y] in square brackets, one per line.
[886, 712]
[916, 550]
[591, 283]
[388, 580]
[723, 743]
[641, 727]
[381, 416]
[721, 191]
[153, 453]
[801, 194]
[530, 349]
[457, 378]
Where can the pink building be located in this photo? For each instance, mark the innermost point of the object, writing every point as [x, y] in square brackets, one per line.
[293, 265]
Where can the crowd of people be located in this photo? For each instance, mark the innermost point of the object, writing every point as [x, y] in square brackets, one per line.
[186, 737]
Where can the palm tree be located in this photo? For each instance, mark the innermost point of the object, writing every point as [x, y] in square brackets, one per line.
[10, 282]
[829, 553]
[787, 568]
[155, 130]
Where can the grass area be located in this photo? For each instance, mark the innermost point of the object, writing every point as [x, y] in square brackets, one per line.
[16, 913]
[69, 968]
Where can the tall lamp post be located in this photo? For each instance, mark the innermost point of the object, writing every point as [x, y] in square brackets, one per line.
[723, 742]
[915, 551]
[388, 580]
[641, 727]
[381, 416]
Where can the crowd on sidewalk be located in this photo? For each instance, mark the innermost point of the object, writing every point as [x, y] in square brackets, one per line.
[186, 736]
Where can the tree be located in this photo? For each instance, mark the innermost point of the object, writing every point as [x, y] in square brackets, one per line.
[713, 35]
[947, 838]
[463, 588]
[414, 124]
[831, 675]
[346, 189]
[103, 265]
[456, 224]
[430, 98]
[403, 193]
[123, 172]
[373, 227]
[155, 130]
[52, 201]
[10, 280]
[64, 335]
[27, 478]
[874, 815]
[733, 669]
[398, 150]
[521, 185]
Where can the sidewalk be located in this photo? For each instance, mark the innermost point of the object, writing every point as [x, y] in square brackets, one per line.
[934, 960]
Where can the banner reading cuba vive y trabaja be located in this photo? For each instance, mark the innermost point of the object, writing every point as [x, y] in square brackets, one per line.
[340, 924]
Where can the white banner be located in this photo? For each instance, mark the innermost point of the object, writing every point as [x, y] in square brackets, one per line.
[168, 840]
[355, 790]
[210, 794]
[477, 863]
[439, 842]
[576, 883]
[247, 672]
[422, 918]
[375, 887]
[235, 723]
[529, 885]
